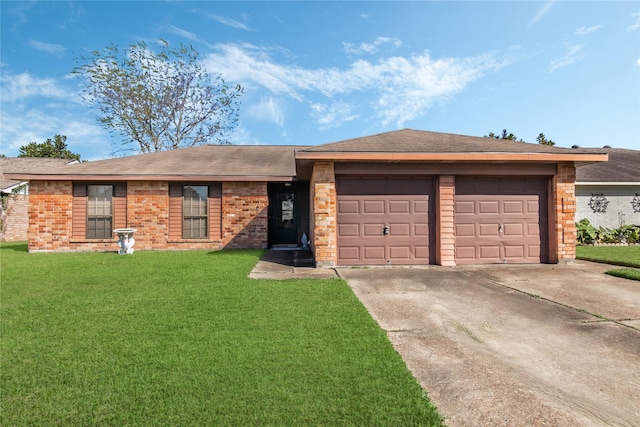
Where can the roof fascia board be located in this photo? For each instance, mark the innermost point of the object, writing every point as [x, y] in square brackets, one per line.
[172, 178]
[448, 157]
[609, 183]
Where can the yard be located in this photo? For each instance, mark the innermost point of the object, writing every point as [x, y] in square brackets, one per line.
[185, 338]
[625, 256]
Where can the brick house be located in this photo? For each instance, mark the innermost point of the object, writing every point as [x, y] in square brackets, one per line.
[608, 194]
[15, 194]
[403, 197]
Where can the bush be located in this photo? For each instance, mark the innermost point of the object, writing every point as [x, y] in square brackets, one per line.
[588, 234]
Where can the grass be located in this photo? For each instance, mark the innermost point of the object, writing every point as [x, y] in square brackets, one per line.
[185, 338]
[626, 256]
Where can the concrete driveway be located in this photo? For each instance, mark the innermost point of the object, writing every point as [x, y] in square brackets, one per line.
[514, 345]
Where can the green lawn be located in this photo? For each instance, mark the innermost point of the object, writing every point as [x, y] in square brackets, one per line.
[186, 339]
[626, 256]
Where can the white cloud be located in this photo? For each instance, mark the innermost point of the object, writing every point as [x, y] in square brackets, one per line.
[541, 13]
[241, 136]
[229, 22]
[268, 110]
[20, 86]
[47, 47]
[332, 115]
[583, 31]
[638, 62]
[635, 25]
[400, 88]
[182, 33]
[572, 55]
[370, 48]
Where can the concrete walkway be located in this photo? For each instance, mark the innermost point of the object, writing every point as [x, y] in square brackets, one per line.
[289, 264]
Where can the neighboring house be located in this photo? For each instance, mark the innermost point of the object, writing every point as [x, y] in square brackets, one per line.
[403, 197]
[14, 194]
[608, 194]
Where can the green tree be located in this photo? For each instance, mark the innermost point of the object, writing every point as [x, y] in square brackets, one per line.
[55, 148]
[158, 101]
[503, 135]
[542, 139]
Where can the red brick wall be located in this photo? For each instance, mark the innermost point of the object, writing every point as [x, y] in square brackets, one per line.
[15, 218]
[50, 210]
[324, 214]
[245, 214]
[244, 218]
[564, 209]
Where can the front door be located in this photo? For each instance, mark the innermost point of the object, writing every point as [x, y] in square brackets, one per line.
[283, 221]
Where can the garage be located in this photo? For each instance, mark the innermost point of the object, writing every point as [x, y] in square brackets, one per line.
[501, 220]
[384, 221]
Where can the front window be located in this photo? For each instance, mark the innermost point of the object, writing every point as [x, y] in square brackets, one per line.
[99, 211]
[195, 212]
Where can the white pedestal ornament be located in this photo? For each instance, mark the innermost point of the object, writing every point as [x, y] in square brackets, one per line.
[125, 240]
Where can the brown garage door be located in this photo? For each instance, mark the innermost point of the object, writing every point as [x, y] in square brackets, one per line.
[501, 220]
[368, 206]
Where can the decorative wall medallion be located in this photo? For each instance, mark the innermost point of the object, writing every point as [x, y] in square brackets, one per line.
[598, 203]
[635, 203]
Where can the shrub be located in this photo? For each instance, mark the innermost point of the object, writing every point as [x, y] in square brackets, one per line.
[588, 234]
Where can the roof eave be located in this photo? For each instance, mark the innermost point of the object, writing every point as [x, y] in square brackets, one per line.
[449, 157]
[608, 183]
[172, 178]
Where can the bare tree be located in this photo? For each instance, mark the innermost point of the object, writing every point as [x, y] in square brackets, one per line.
[161, 101]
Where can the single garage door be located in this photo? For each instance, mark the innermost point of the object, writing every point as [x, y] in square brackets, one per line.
[384, 220]
[501, 220]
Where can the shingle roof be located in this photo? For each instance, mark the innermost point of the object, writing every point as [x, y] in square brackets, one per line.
[418, 141]
[623, 166]
[25, 165]
[220, 162]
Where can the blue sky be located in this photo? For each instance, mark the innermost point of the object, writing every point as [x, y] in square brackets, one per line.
[319, 72]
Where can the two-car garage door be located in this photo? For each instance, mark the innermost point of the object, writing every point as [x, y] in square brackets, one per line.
[383, 220]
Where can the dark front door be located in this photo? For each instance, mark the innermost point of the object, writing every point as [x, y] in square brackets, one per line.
[283, 220]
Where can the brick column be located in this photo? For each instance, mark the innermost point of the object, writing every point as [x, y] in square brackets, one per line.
[445, 222]
[564, 206]
[323, 208]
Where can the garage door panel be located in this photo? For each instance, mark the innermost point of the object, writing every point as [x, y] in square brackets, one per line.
[465, 207]
[465, 253]
[400, 229]
[488, 207]
[373, 229]
[348, 207]
[373, 207]
[401, 204]
[349, 252]
[465, 230]
[421, 253]
[511, 230]
[513, 207]
[348, 230]
[400, 253]
[485, 230]
[514, 252]
[374, 253]
[421, 207]
[421, 230]
[489, 252]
